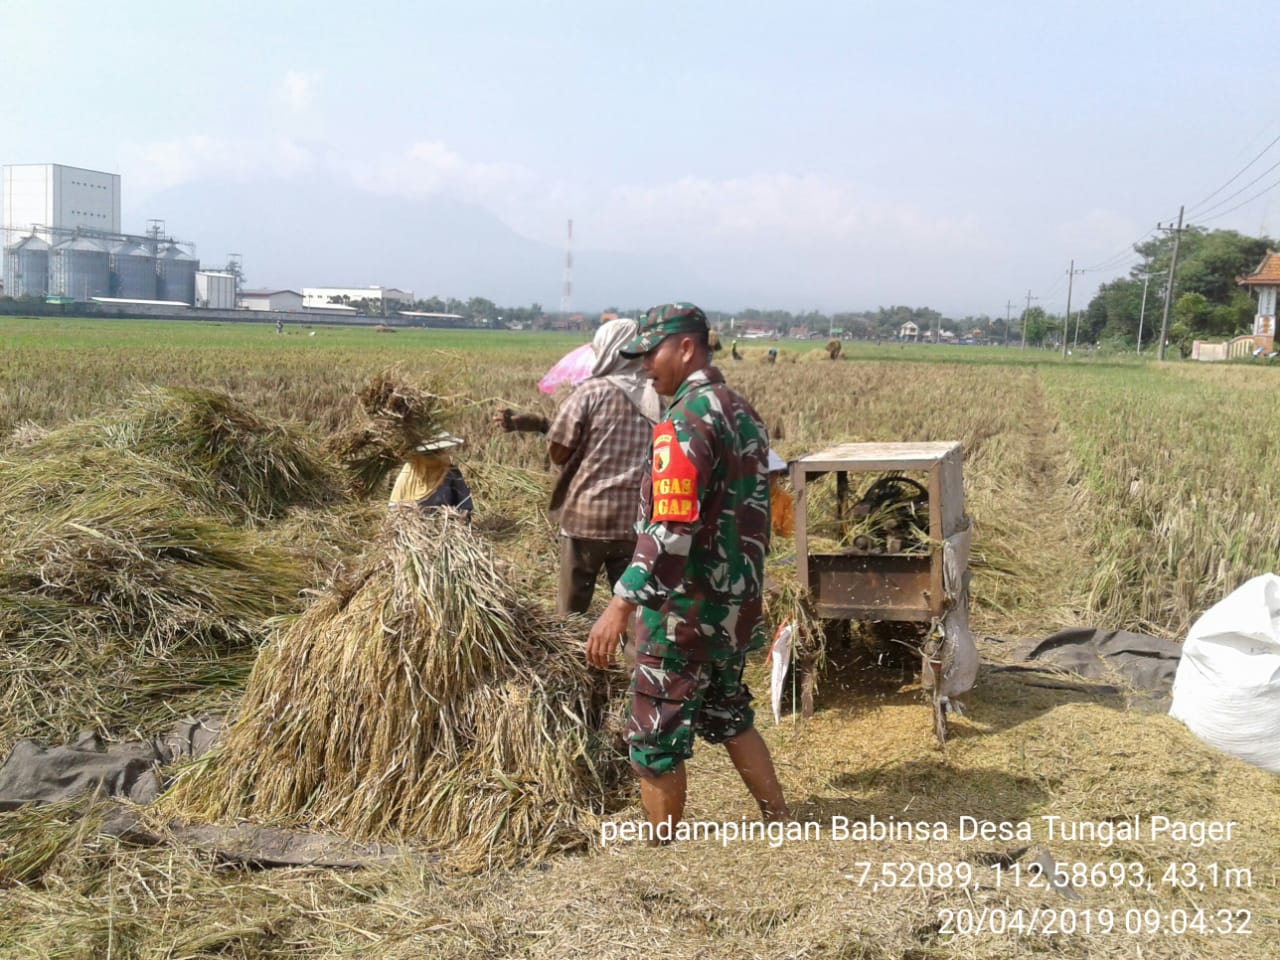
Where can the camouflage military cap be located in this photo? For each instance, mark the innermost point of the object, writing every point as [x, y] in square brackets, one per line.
[661, 322]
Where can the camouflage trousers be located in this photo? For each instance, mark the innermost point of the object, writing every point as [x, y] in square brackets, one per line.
[673, 698]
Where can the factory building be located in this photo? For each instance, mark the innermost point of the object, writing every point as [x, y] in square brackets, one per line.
[62, 238]
[37, 198]
[269, 300]
[215, 290]
[378, 300]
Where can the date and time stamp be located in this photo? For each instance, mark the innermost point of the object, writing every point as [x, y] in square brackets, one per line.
[1119, 882]
[1151, 875]
[1121, 877]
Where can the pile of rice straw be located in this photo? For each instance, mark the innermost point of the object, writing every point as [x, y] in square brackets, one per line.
[135, 577]
[397, 418]
[420, 699]
[248, 465]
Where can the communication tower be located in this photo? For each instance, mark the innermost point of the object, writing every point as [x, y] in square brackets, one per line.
[566, 295]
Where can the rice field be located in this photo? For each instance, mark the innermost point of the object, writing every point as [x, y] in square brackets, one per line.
[1110, 493]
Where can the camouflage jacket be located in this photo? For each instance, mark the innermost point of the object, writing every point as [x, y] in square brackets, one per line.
[698, 569]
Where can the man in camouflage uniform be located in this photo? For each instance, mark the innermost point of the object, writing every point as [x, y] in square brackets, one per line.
[696, 576]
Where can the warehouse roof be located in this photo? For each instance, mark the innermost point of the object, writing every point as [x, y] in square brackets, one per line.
[149, 303]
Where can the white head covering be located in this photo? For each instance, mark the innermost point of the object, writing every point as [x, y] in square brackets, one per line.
[626, 373]
[608, 341]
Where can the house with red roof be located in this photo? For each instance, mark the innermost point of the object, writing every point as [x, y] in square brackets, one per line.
[1264, 281]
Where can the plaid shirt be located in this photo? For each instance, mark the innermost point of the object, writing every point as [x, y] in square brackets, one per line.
[609, 440]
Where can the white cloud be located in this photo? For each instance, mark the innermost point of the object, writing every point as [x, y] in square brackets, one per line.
[297, 89]
[158, 165]
[797, 234]
[430, 167]
[779, 210]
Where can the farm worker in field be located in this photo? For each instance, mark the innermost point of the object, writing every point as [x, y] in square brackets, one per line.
[279, 326]
[734, 351]
[599, 438]
[430, 478]
[771, 356]
[693, 590]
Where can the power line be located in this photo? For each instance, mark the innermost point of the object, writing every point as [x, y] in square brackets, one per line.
[1242, 203]
[1231, 196]
[1119, 255]
[1236, 176]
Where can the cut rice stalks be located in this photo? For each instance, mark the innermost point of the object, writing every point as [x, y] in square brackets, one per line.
[420, 699]
[398, 417]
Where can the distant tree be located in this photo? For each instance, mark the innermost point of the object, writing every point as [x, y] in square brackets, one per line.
[1191, 315]
[480, 310]
[1210, 262]
[1036, 324]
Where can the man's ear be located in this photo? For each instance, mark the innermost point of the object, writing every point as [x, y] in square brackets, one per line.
[688, 349]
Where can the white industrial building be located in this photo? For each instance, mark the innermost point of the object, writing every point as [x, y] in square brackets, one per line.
[267, 300]
[215, 290]
[62, 238]
[48, 199]
[379, 299]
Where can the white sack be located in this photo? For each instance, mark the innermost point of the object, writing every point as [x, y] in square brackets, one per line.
[780, 653]
[1227, 688]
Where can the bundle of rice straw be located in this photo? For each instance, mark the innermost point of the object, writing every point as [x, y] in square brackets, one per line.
[398, 417]
[135, 579]
[419, 700]
[257, 467]
[121, 600]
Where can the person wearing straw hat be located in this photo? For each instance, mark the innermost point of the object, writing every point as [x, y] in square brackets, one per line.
[430, 479]
[599, 438]
[694, 587]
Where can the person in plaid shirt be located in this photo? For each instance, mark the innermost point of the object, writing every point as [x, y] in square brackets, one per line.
[600, 440]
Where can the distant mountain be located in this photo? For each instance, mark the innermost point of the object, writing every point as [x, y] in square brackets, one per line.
[328, 233]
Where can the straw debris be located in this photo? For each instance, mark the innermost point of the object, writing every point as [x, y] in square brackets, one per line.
[397, 418]
[419, 698]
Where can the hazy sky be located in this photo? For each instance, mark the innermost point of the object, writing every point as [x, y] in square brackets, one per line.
[836, 155]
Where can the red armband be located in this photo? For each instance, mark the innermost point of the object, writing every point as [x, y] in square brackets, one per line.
[675, 479]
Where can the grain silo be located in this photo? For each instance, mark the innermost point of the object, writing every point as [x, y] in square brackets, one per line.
[26, 268]
[176, 272]
[78, 268]
[133, 271]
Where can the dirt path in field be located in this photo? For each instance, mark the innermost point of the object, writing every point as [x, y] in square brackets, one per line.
[1031, 574]
[1059, 506]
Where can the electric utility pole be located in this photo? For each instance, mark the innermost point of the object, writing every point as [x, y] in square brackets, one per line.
[1024, 318]
[1071, 275]
[1066, 321]
[1008, 310]
[1168, 284]
[1142, 312]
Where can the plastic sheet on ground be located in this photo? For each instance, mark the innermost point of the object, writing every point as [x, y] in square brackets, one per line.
[35, 773]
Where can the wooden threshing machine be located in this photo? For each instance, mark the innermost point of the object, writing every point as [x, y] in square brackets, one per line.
[902, 552]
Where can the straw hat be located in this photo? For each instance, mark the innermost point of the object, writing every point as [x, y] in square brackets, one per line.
[441, 441]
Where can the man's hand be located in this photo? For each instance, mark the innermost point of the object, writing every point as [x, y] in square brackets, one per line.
[603, 641]
[505, 418]
[513, 422]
